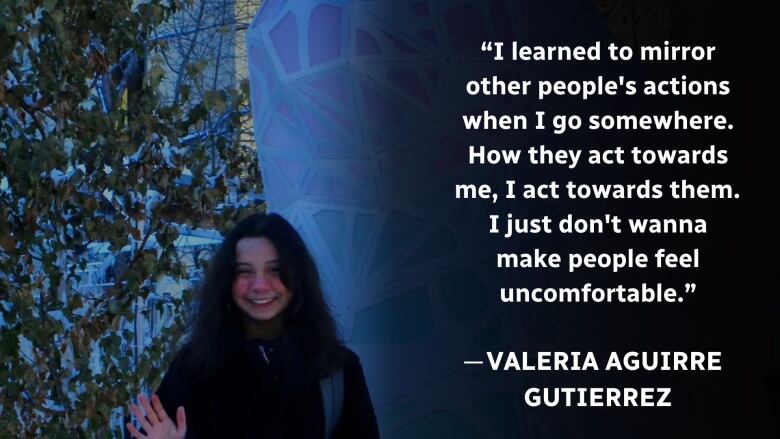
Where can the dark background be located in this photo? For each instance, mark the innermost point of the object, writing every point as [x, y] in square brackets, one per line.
[732, 310]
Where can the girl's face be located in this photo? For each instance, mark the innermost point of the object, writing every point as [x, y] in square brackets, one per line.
[258, 290]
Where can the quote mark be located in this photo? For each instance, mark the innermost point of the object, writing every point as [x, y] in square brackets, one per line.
[490, 46]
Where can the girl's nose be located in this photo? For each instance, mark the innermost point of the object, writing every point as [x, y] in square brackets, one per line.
[260, 282]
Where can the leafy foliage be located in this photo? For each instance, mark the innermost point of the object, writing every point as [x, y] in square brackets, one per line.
[79, 181]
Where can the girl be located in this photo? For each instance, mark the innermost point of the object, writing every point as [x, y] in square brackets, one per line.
[264, 358]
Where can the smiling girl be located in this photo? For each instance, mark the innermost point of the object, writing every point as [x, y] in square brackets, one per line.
[264, 358]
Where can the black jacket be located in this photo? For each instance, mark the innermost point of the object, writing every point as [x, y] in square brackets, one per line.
[265, 396]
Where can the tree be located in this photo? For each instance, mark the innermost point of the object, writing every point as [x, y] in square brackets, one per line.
[95, 161]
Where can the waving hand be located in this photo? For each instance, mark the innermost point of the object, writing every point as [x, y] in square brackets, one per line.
[156, 423]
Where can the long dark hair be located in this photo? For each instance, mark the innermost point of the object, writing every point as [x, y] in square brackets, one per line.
[216, 328]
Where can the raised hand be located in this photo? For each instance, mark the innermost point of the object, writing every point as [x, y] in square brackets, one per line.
[156, 423]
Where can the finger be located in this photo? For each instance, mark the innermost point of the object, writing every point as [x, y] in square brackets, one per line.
[153, 420]
[158, 408]
[181, 423]
[140, 416]
[133, 432]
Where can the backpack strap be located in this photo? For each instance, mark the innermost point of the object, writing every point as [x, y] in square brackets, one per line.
[332, 389]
